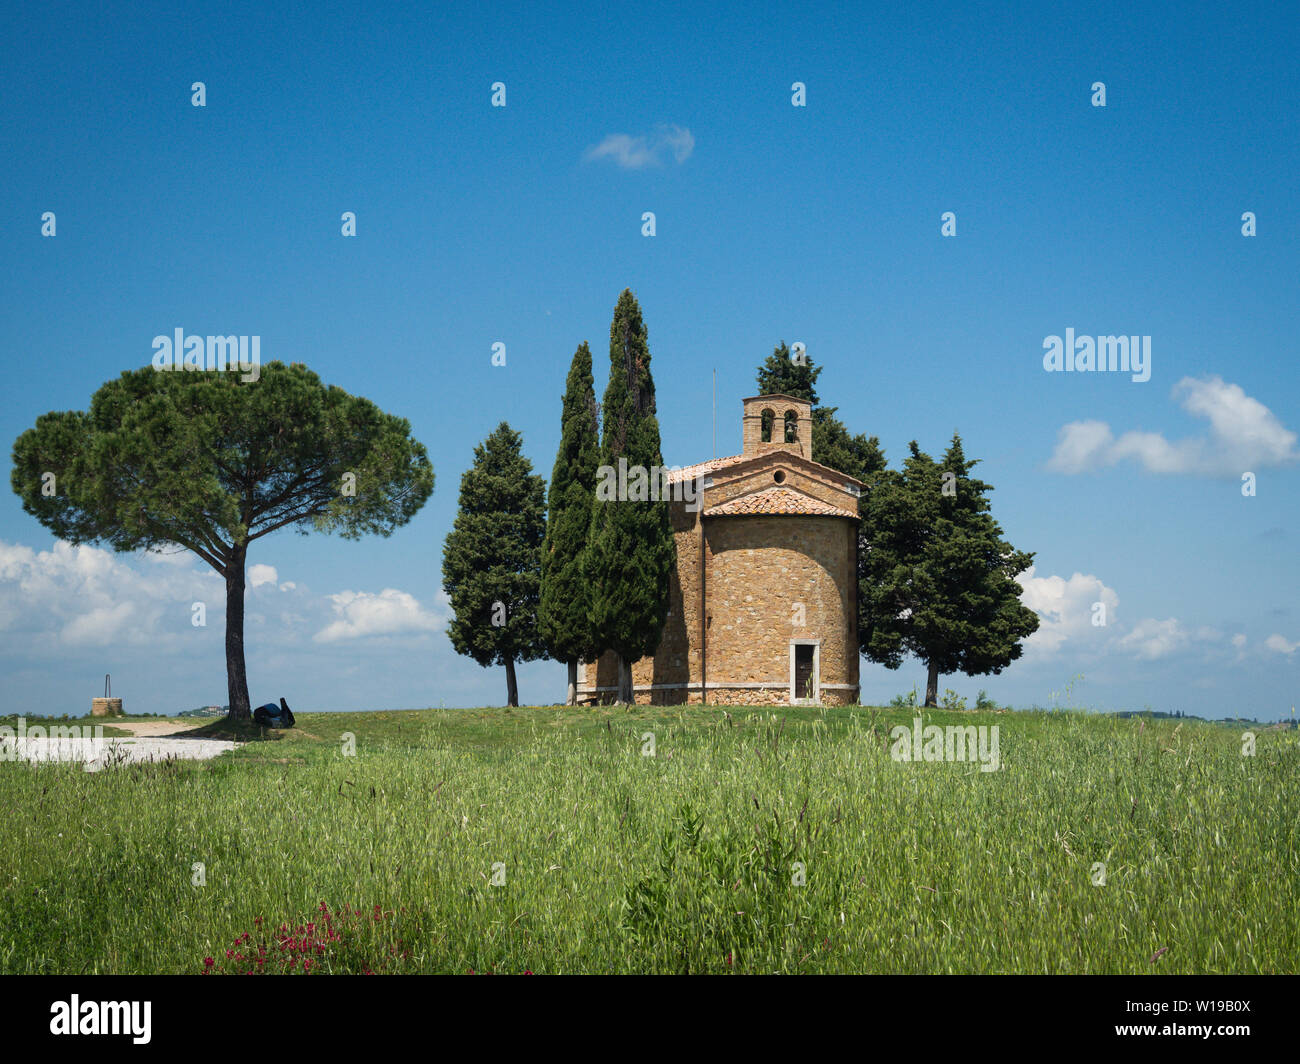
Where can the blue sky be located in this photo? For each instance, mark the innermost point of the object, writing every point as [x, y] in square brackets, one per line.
[818, 224]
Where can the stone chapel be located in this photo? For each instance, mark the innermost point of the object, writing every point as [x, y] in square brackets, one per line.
[763, 602]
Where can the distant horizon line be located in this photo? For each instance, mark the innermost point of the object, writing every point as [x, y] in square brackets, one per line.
[1159, 713]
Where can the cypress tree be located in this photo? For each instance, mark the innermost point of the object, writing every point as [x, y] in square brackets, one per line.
[939, 578]
[563, 608]
[630, 552]
[491, 567]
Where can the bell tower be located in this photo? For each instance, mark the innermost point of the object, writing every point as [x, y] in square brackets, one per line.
[777, 423]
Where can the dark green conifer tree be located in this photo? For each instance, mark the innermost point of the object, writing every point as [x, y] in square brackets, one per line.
[491, 567]
[563, 609]
[833, 445]
[938, 580]
[630, 552]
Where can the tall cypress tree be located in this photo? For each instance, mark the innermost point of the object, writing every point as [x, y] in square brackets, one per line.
[630, 552]
[940, 578]
[491, 566]
[563, 609]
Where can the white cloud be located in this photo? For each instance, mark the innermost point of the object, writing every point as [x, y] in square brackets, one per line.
[100, 627]
[88, 596]
[1244, 436]
[1065, 608]
[262, 574]
[1081, 445]
[391, 612]
[1150, 639]
[637, 153]
[1239, 640]
[1281, 645]
[68, 615]
[66, 597]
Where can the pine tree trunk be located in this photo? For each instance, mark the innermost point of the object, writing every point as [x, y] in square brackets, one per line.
[625, 693]
[512, 685]
[932, 687]
[236, 672]
[573, 684]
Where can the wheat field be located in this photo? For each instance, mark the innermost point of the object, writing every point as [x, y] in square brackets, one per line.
[662, 839]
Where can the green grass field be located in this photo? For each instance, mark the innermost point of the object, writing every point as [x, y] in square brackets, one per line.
[682, 862]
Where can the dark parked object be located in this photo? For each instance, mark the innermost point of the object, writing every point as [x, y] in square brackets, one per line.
[273, 716]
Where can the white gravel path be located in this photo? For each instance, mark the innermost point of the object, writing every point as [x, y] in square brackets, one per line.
[100, 753]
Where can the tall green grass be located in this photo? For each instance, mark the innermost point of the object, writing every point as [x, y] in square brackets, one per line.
[681, 862]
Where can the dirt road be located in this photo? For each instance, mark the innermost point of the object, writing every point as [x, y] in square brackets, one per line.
[152, 729]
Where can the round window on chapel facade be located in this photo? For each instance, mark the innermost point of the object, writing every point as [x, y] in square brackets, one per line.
[779, 476]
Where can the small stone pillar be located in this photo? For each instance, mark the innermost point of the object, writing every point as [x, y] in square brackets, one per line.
[105, 707]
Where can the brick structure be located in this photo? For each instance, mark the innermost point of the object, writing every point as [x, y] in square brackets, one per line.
[763, 603]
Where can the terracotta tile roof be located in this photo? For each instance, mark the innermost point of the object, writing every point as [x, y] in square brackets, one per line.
[777, 501]
[690, 472]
